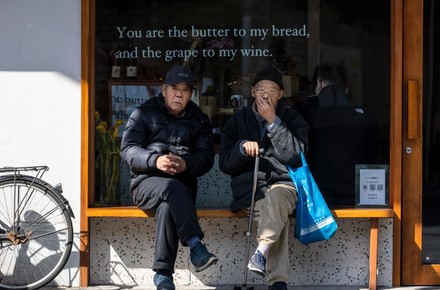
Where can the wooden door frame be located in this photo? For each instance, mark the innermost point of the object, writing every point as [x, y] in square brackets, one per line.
[411, 164]
[413, 271]
[87, 132]
[396, 78]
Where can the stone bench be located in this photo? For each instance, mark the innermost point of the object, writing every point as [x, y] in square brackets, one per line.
[214, 198]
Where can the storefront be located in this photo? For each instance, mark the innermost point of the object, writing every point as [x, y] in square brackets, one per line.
[384, 49]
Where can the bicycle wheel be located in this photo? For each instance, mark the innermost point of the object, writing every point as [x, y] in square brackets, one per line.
[35, 233]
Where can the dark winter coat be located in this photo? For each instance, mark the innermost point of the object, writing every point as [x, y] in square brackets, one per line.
[342, 134]
[151, 131]
[281, 147]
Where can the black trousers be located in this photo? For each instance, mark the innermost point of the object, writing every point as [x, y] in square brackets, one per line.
[176, 216]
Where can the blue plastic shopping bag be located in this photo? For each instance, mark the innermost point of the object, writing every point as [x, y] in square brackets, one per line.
[314, 220]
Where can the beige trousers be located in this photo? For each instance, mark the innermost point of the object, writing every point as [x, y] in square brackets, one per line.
[272, 214]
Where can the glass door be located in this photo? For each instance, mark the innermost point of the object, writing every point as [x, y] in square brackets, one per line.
[421, 144]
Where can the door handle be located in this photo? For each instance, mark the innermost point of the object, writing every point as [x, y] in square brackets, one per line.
[413, 110]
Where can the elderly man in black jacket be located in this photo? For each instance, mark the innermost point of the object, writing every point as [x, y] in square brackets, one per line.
[167, 144]
[282, 133]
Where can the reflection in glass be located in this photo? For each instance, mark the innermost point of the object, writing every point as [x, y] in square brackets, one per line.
[226, 42]
[431, 136]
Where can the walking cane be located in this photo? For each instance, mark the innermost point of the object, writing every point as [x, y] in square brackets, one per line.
[248, 233]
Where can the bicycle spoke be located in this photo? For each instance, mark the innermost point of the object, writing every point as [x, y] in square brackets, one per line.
[42, 218]
[8, 259]
[48, 234]
[5, 214]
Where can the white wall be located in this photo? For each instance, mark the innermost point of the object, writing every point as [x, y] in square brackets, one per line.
[40, 96]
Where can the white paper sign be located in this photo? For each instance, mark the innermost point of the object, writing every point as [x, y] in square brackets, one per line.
[372, 186]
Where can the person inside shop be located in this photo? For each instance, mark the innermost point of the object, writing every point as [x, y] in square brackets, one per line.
[167, 144]
[281, 133]
[342, 134]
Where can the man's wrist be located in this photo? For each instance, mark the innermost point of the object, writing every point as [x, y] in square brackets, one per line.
[274, 124]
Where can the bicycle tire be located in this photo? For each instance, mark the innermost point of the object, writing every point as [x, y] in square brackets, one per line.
[42, 246]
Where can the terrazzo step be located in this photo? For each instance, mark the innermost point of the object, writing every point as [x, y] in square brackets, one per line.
[231, 287]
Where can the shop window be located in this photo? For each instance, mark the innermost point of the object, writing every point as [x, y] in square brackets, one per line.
[225, 42]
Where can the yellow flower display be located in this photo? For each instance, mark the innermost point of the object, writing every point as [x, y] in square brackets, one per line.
[107, 159]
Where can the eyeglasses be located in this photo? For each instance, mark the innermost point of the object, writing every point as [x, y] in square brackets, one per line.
[270, 92]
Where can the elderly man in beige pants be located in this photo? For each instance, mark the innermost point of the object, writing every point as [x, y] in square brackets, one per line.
[282, 133]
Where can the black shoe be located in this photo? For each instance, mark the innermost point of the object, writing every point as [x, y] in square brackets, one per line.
[278, 286]
[201, 258]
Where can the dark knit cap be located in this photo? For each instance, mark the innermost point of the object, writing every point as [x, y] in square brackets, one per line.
[269, 74]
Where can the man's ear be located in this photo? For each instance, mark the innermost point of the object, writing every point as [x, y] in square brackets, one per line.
[281, 94]
[252, 91]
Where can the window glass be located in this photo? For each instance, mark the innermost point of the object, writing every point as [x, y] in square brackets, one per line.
[431, 135]
[225, 42]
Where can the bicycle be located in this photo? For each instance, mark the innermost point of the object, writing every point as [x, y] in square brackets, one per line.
[36, 234]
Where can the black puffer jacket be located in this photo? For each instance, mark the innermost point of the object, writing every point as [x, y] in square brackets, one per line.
[281, 147]
[152, 131]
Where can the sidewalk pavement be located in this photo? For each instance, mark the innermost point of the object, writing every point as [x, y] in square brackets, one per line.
[231, 287]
